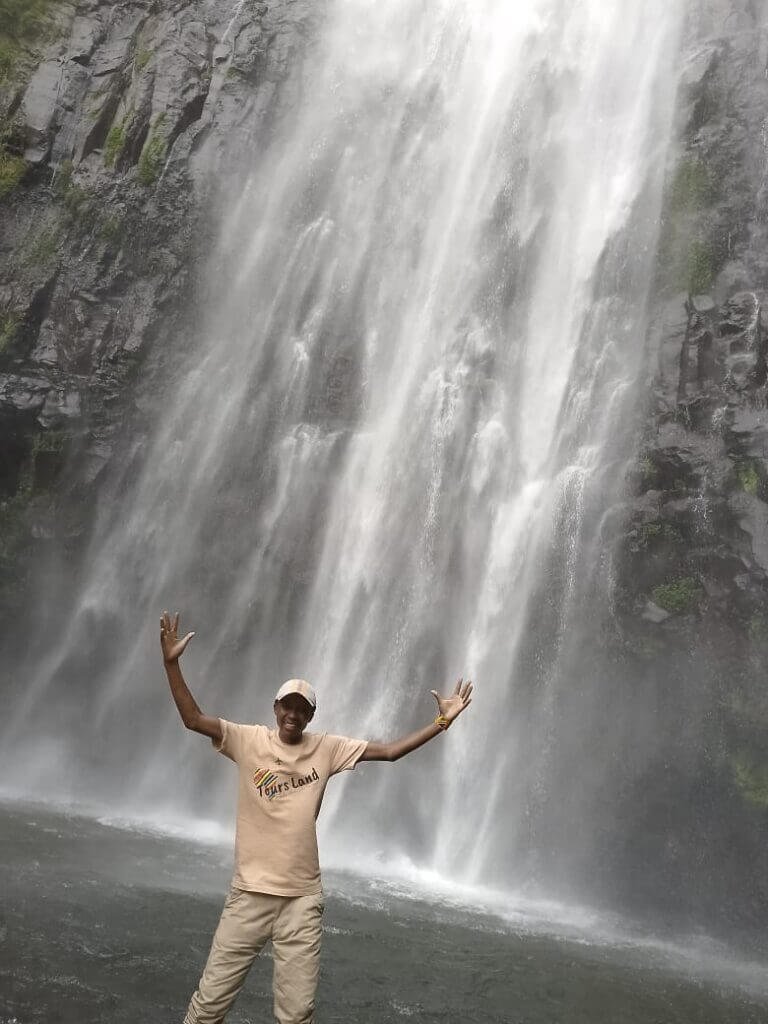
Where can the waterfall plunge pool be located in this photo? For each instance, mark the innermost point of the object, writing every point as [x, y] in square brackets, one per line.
[105, 923]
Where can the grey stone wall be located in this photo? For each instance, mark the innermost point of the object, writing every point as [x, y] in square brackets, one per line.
[691, 580]
[118, 124]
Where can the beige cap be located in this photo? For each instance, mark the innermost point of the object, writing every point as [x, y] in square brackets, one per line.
[300, 686]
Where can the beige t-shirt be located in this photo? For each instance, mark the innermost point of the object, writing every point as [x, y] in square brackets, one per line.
[281, 788]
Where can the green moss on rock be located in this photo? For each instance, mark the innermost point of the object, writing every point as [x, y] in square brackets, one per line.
[751, 779]
[63, 176]
[142, 58]
[12, 170]
[24, 19]
[8, 56]
[115, 142]
[152, 159]
[700, 267]
[689, 250]
[657, 531]
[748, 477]
[9, 329]
[692, 187]
[74, 198]
[24, 24]
[110, 228]
[49, 442]
[49, 450]
[13, 167]
[679, 595]
[757, 628]
[647, 474]
[43, 248]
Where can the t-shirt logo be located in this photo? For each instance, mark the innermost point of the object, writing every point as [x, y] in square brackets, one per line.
[264, 780]
[267, 782]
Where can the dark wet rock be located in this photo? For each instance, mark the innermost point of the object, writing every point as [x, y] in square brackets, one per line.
[692, 569]
[61, 406]
[23, 395]
[127, 119]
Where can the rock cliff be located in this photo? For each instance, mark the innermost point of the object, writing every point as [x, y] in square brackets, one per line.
[691, 573]
[117, 121]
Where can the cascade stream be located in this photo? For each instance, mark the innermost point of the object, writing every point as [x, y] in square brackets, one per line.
[395, 453]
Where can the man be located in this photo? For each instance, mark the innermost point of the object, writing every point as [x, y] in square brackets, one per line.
[276, 889]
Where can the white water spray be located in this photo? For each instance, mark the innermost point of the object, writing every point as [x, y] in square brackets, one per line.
[389, 461]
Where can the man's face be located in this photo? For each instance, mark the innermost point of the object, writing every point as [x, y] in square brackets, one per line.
[293, 714]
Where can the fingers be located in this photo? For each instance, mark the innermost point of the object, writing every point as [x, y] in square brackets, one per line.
[463, 706]
[170, 627]
[463, 689]
[461, 696]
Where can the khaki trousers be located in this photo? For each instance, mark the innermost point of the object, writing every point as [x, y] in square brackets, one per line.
[248, 921]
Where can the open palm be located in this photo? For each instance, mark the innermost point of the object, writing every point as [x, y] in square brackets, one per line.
[172, 646]
[452, 706]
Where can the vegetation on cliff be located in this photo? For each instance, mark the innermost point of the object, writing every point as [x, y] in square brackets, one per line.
[25, 25]
[678, 595]
[153, 154]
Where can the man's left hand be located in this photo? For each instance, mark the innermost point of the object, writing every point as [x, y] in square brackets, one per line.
[452, 706]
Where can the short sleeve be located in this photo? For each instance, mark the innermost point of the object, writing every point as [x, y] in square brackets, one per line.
[233, 740]
[344, 753]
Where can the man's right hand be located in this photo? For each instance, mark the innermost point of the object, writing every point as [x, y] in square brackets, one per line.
[191, 715]
[173, 648]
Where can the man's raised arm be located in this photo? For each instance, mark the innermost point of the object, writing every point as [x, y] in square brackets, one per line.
[173, 648]
[448, 709]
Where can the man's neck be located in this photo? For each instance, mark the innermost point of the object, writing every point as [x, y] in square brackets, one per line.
[290, 741]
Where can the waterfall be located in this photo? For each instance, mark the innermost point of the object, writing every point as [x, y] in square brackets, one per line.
[395, 454]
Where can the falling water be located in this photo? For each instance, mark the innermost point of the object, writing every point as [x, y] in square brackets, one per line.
[397, 452]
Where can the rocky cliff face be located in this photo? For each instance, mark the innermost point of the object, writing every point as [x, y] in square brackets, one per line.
[117, 121]
[692, 572]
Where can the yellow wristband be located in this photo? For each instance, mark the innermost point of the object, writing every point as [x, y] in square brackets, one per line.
[442, 721]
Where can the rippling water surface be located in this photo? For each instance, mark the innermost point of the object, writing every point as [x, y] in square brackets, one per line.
[107, 924]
